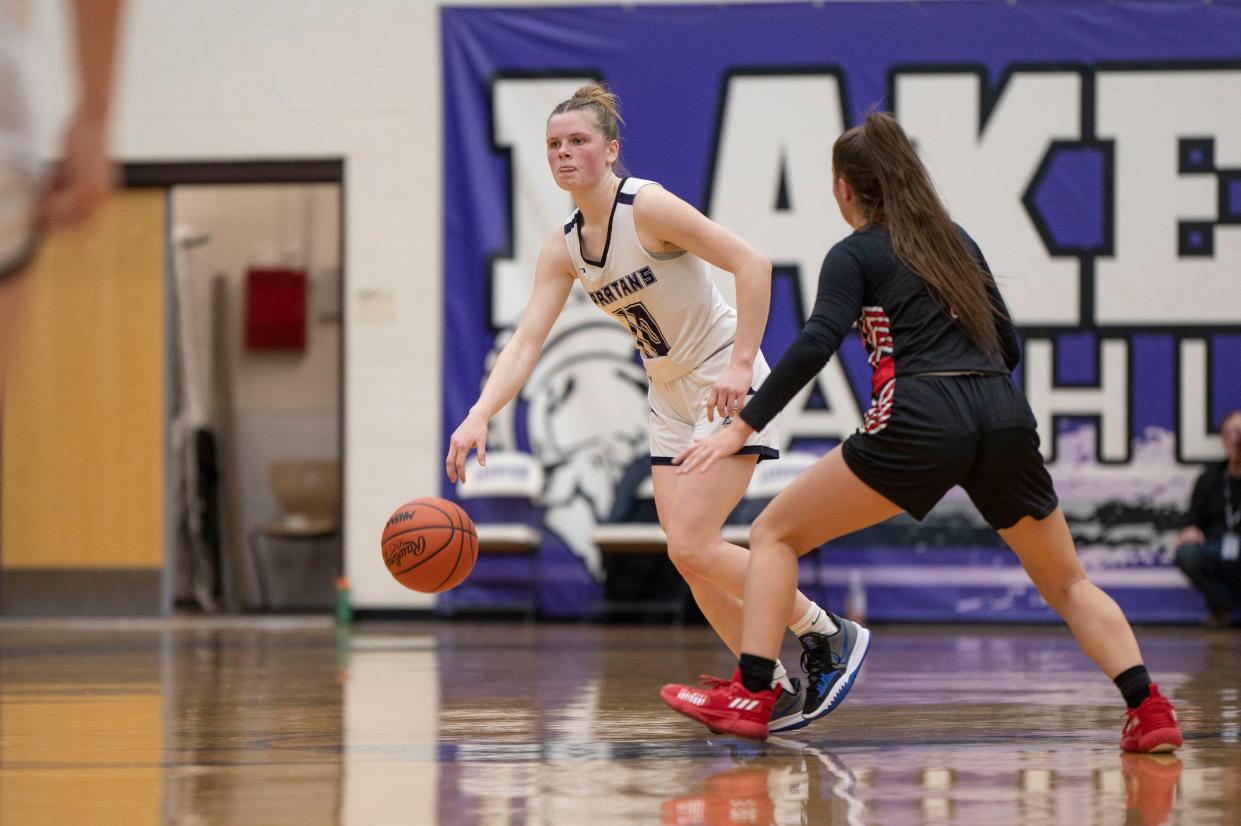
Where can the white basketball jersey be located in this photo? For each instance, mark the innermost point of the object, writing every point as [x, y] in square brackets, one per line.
[667, 301]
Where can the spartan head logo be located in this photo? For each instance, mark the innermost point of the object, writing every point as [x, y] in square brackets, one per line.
[585, 421]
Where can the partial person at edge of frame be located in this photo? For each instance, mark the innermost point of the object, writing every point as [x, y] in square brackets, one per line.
[36, 201]
[1209, 545]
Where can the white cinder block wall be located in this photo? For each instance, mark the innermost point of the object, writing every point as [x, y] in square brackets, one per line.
[237, 79]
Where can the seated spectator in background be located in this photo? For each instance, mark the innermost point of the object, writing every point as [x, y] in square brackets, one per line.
[1210, 543]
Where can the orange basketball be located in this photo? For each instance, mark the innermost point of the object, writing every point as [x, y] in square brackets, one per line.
[430, 545]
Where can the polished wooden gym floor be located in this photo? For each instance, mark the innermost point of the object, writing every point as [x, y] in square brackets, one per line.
[288, 721]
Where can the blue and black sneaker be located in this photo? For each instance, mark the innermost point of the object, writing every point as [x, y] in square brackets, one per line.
[831, 663]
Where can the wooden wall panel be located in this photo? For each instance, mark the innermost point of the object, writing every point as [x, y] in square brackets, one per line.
[84, 415]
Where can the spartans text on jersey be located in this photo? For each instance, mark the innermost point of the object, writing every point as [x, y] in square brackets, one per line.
[621, 287]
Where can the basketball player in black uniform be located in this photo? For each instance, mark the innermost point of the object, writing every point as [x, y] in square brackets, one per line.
[945, 412]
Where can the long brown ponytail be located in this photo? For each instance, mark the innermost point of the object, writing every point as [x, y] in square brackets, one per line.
[893, 188]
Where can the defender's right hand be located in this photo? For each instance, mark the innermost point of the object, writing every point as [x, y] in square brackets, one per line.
[82, 180]
[471, 434]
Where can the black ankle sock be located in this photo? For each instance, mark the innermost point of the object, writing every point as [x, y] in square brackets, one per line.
[757, 672]
[1135, 684]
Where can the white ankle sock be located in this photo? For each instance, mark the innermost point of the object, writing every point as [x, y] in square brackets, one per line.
[803, 625]
[816, 620]
[823, 624]
[780, 677]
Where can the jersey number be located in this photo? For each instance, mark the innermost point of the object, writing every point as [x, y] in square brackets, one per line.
[645, 331]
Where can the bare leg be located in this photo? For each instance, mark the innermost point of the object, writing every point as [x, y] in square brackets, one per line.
[1045, 548]
[723, 611]
[692, 512]
[823, 503]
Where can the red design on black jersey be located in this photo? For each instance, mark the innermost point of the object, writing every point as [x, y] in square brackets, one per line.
[876, 330]
[876, 418]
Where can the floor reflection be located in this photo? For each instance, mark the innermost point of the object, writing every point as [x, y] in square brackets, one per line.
[289, 721]
[775, 782]
[737, 782]
[948, 726]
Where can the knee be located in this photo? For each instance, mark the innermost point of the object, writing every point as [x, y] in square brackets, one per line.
[1189, 557]
[766, 533]
[1059, 595]
[691, 551]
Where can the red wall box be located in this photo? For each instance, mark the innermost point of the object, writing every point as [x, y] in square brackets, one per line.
[275, 309]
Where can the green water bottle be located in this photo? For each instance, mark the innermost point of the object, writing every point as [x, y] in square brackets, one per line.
[344, 612]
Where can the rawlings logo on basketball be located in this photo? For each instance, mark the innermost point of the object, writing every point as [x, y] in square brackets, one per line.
[396, 555]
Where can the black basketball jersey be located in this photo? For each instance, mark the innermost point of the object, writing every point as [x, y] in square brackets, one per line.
[905, 329]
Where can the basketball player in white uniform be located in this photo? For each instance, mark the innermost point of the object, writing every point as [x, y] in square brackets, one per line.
[31, 201]
[642, 255]
[681, 325]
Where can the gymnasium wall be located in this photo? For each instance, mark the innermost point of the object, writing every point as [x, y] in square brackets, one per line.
[363, 82]
[240, 80]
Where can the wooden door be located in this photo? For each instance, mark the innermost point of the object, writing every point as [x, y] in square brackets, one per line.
[83, 452]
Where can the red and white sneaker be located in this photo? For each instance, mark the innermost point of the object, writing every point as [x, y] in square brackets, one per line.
[724, 706]
[1151, 727]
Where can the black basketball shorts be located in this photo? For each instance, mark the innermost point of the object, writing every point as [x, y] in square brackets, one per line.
[976, 431]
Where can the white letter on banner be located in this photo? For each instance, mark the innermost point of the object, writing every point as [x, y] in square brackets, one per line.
[1196, 442]
[1108, 401]
[520, 107]
[982, 172]
[1148, 114]
[786, 122]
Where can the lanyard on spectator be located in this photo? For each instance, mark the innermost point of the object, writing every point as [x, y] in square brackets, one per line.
[1232, 516]
[1230, 547]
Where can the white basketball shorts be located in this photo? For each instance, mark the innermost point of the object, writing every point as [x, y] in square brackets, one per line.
[679, 411]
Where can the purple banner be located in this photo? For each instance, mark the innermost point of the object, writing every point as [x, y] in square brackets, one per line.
[1092, 148]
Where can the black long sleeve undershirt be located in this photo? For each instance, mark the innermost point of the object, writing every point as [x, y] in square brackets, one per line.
[839, 303]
